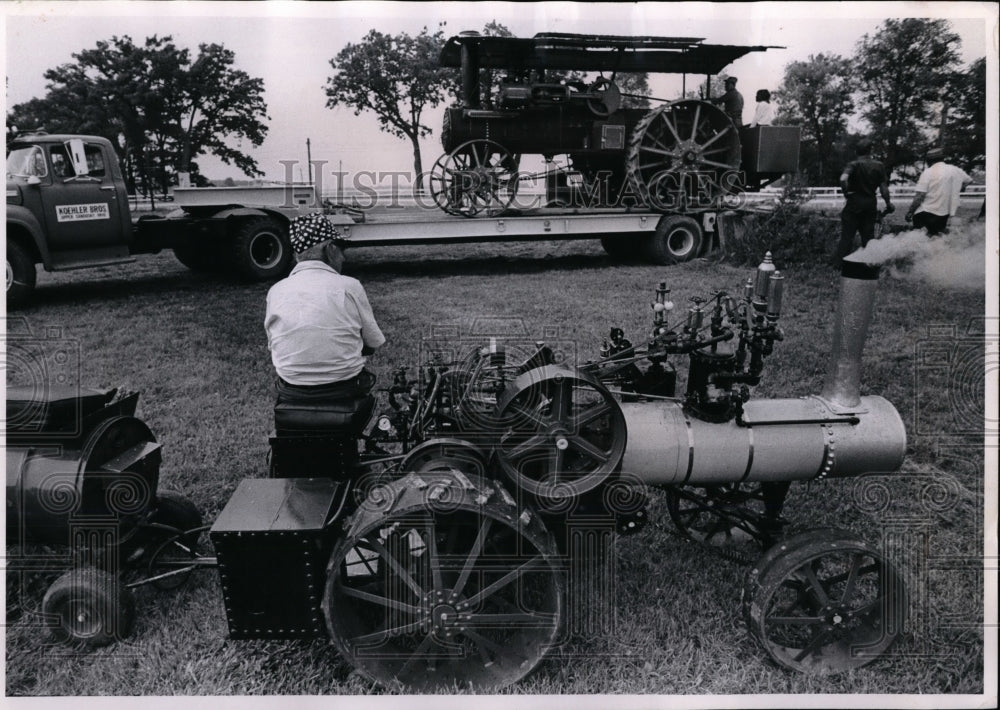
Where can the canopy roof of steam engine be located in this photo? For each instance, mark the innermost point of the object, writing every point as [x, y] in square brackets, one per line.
[611, 53]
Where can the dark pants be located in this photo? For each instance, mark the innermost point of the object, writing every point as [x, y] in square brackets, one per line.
[933, 223]
[855, 219]
[353, 388]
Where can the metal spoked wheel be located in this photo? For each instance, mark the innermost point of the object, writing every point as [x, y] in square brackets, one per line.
[443, 582]
[479, 176]
[684, 156]
[563, 433]
[824, 602]
[726, 514]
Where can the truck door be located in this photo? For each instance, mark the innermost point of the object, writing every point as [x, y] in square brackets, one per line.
[84, 210]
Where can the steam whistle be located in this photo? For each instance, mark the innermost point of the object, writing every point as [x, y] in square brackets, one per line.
[775, 288]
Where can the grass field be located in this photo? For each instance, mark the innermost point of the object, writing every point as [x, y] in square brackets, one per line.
[194, 347]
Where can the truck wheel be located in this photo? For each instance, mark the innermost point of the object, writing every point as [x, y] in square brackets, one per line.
[88, 607]
[20, 274]
[260, 249]
[200, 261]
[676, 239]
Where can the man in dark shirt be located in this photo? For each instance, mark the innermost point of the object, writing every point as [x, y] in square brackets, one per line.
[732, 102]
[859, 182]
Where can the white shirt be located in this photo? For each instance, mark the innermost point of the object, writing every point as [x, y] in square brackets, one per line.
[317, 322]
[763, 115]
[943, 185]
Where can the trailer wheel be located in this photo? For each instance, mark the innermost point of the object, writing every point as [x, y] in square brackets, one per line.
[825, 603]
[443, 582]
[20, 274]
[260, 249]
[676, 239]
[88, 607]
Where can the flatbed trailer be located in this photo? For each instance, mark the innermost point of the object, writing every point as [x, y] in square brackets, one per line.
[664, 238]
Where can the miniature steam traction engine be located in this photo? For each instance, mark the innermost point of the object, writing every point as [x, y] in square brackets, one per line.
[680, 158]
[451, 562]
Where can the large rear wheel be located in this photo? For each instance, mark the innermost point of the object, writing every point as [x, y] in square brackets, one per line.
[684, 156]
[441, 583]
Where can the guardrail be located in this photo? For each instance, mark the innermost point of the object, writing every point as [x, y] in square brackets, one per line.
[895, 190]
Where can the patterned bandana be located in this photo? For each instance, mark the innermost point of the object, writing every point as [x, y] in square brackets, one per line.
[309, 230]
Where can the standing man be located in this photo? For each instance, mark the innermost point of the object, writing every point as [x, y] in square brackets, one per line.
[320, 326]
[937, 195]
[732, 102]
[860, 180]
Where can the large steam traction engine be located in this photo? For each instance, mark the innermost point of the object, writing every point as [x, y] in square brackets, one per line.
[682, 158]
[456, 561]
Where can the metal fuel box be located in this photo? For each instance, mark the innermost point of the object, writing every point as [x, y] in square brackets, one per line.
[272, 549]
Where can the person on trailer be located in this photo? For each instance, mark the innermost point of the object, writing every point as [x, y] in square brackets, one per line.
[732, 101]
[860, 180]
[319, 323]
[764, 112]
[938, 194]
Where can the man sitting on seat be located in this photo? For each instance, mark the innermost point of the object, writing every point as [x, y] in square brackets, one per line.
[320, 326]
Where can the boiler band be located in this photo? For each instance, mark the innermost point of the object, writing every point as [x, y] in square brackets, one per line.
[774, 440]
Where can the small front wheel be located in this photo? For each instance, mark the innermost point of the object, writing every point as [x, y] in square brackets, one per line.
[824, 602]
[88, 607]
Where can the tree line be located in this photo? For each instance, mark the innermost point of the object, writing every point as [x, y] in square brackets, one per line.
[906, 83]
[163, 107]
[159, 106]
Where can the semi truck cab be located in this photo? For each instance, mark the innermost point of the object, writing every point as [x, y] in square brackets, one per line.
[75, 191]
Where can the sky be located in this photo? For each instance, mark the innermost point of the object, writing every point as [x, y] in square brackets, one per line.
[290, 45]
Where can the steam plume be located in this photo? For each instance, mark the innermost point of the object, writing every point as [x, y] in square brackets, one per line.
[955, 260]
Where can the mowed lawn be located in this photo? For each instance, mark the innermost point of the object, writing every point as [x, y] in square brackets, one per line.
[194, 347]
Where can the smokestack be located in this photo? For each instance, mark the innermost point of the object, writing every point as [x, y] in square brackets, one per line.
[854, 313]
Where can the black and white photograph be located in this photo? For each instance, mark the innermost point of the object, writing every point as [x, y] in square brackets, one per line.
[631, 355]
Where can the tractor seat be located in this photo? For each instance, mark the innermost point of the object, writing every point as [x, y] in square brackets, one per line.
[52, 408]
[333, 416]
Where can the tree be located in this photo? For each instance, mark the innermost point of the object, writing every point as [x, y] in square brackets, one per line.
[902, 70]
[636, 85]
[165, 108]
[396, 78]
[816, 95]
[964, 121]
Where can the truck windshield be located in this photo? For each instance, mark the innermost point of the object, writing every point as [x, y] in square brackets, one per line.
[26, 162]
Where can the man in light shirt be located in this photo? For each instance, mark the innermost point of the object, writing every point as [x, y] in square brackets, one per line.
[320, 326]
[937, 195]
